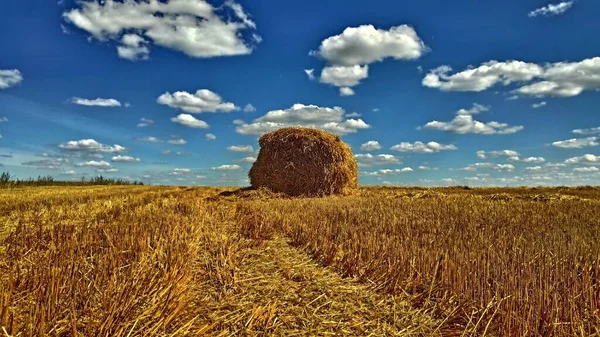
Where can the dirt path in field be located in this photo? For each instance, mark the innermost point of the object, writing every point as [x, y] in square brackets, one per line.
[281, 291]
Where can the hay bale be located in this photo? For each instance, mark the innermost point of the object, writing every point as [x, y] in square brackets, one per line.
[304, 162]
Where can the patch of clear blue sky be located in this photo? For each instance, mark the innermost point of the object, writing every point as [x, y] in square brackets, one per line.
[57, 66]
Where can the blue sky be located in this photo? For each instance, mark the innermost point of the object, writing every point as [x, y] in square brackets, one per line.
[178, 92]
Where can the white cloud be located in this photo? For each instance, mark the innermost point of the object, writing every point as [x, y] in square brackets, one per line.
[145, 122]
[177, 141]
[310, 73]
[203, 100]
[588, 159]
[385, 172]
[133, 47]
[538, 105]
[366, 44]
[587, 169]
[103, 102]
[482, 77]
[534, 168]
[97, 164]
[249, 108]
[210, 136]
[497, 167]
[427, 168]
[464, 123]
[9, 78]
[353, 115]
[180, 171]
[125, 159]
[107, 170]
[248, 160]
[477, 108]
[344, 76]
[328, 119]
[562, 79]
[193, 27]
[90, 145]
[510, 154]
[577, 143]
[590, 131]
[368, 159]
[241, 148]
[150, 139]
[345, 91]
[189, 121]
[371, 145]
[420, 147]
[227, 168]
[535, 160]
[552, 9]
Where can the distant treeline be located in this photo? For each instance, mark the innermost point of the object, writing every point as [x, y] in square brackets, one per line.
[6, 181]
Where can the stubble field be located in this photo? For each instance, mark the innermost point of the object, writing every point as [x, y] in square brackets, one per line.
[169, 261]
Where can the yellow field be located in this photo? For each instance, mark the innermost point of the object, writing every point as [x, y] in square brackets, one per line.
[167, 261]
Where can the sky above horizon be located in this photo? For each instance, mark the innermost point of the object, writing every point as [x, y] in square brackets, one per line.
[426, 93]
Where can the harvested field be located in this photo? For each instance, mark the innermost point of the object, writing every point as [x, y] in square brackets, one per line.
[168, 261]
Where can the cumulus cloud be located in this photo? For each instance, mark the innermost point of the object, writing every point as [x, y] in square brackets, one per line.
[189, 121]
[482, 77]
[464, 122]
[368, 159]
[345, 91]
[534, 160]
[107, 170]
[133, 47]
[248, 160]
[102, 102]
[3, 119]
[125, 159]
[427, 168]
[533, 168]
[366, 44]
[193, 27]
[177, 141]
[310, 73]
[210, 136]
[371, 145]
[552, 9]
[497, 167]
[510, 154]
[96, 164]
[90, 145]
[538, 105]
[576, 143]
[385, 172]
[344, 76]
[144, 122]
[587, 159]
[202, 101]
[589, 169]
[420, 147]
[227, 168]
[180, 171]
[9, 78]
[249, 108]
[328, 119]
[150, 139]
[241, 148]
[589, 131]
[561, 79]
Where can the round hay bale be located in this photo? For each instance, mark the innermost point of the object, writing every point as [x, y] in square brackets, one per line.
[304, 162]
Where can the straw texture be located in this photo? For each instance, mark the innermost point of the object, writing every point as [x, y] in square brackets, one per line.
[304, 162]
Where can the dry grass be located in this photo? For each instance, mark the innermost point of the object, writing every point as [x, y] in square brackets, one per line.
[303, 161]
[150, 261]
